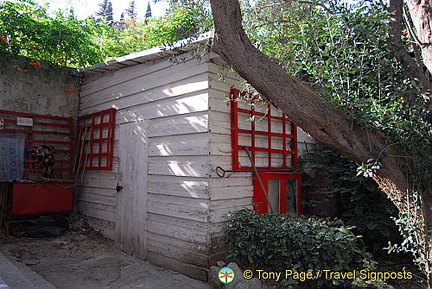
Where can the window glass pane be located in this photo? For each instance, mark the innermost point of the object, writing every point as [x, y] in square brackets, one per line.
[291, 196]
[273, 195]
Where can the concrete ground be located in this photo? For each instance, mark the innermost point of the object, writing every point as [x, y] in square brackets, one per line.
[80, 260]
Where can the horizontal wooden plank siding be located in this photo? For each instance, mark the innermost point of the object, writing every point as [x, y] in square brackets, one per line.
[305, 142]
[98, 198]
[144, 87]
[179, 145]
[173, 100]
[177, 125]
[193, 271]
[97, 211]
[179, 166]
[235, 190]
[187, 187]
[181, 211]
[178, 194]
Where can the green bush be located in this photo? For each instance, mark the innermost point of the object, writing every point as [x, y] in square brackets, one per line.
[277, 242]
[361, 204]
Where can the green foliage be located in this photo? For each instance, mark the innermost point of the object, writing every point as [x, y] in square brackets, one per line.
[409, 228]
[346, 57]
[342, 55]
[27, 30]
[131, 35]
[201, 11]
[361, 203]
[279, 242]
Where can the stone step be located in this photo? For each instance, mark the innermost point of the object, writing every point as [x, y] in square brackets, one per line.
[16, 275]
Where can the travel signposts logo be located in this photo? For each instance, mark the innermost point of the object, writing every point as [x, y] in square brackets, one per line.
[226, 275]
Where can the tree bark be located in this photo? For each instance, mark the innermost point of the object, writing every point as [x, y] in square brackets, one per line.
[421, 15]
[415, 70]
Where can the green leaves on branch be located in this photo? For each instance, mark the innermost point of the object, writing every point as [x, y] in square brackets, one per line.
[345, 56]
[361, 204]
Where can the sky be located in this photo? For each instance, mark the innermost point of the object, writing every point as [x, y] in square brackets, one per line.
[84, 8]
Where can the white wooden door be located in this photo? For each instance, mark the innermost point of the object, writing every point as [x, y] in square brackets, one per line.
[132, 198]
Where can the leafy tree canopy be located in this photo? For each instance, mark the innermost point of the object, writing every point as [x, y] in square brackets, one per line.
[26, 29]
[132, 35]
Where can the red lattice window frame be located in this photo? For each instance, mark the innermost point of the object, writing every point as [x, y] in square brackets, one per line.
[43, 130]
[279, 143]
[96, 134]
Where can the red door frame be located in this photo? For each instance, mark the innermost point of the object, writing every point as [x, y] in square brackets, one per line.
[260, 200]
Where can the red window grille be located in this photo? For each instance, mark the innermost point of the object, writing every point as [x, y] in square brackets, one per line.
[96, 139]
[263, 132]
[41, 130]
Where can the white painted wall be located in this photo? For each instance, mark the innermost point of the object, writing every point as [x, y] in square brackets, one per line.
[173, 102]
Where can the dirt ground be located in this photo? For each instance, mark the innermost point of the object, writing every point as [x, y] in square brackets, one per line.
[82, 258]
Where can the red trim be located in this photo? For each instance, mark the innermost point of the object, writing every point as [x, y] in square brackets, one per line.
[35, 131]
[33, 115]
[234, 130]
[274, 123]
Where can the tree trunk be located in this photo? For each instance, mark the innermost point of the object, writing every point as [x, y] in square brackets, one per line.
[324, 121]
[415, 70]
[421, 15]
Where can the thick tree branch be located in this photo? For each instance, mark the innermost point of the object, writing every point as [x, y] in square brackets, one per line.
[414, 46]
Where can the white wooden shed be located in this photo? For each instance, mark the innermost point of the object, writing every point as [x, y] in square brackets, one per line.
[162, 199]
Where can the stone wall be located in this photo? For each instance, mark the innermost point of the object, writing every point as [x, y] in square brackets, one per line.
[37, 87]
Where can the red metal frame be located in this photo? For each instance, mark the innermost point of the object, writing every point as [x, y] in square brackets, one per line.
[284, 136]
[260, 200]
[45, 130]
[99, 143]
